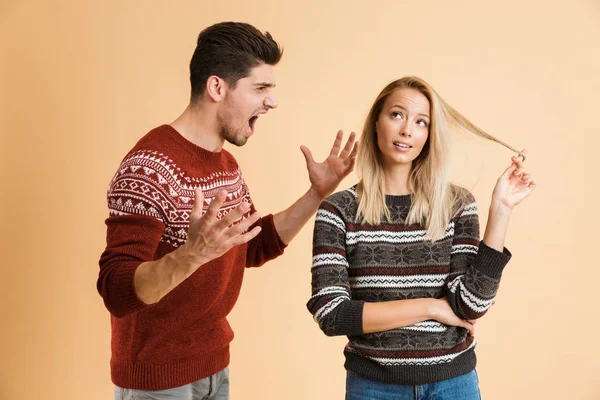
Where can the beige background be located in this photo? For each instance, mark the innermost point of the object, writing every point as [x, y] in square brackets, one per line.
[82, 81]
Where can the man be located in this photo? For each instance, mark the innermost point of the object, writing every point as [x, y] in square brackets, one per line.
[171, 272]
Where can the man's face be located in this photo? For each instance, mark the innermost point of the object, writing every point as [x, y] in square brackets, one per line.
[251, 99]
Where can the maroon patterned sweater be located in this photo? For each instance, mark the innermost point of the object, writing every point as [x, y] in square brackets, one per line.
[185, 336]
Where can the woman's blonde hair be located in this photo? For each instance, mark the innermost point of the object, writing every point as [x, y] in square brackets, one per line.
[434, 197]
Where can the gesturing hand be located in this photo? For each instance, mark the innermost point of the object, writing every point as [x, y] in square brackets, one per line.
[327, 175]
[209, 237]
[515, 184]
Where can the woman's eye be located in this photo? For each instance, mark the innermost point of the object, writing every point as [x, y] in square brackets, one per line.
[396, 114]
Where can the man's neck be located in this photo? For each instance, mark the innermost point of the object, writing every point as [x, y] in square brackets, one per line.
[199, 125]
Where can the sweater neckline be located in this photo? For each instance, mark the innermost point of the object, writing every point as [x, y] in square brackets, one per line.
[398, 199]
[202, 153]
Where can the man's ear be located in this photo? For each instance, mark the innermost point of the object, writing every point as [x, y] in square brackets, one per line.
[216, 88]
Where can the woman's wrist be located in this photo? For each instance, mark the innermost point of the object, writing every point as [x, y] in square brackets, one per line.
[433, 308]
[499, 209]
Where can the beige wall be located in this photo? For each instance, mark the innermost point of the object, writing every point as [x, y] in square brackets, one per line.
[82, 81]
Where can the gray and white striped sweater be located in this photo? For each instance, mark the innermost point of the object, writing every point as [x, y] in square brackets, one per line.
[354, 263]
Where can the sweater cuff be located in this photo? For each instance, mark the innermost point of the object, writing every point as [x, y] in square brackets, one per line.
[490, 261]
[350, 317]
[273, 234]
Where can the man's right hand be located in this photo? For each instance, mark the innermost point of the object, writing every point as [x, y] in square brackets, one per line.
[209, 237]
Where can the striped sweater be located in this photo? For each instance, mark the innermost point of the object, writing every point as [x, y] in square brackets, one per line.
[354, 263]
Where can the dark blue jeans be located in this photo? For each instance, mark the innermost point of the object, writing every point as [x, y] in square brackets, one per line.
[464, 387]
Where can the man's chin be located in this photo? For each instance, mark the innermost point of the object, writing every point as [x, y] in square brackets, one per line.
[237, 141]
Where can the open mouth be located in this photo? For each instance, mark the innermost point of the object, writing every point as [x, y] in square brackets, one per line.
[402, 145]
[252, 122]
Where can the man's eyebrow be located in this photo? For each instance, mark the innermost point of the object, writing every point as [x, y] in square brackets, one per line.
[266, 84]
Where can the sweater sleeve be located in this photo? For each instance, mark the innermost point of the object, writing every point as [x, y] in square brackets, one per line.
[267, 245]
[331, 304]
[134, 229]
[475, 269]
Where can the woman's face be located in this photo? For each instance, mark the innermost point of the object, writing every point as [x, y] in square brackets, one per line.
[403, 126]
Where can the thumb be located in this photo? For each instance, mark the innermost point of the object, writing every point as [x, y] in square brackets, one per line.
[307, 155]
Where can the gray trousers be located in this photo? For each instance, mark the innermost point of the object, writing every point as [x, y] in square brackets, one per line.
[215, 387]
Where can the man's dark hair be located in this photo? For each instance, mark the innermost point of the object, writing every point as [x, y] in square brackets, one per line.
[230, 50]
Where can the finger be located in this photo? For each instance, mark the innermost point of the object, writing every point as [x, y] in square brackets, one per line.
[520, 171]
[215, 205]
[354, 151]
[198, 204]
[233, 216]
[307, 155]
[350, 166]
[470, 328]
[531, 186]
[522, 155]
[352, 156]
[337, 144]
[520, 158]
[348, 147]
[526, 178]
[517, 161]
[472, 321]
[245, 238]
[509, 171]
[236, 229]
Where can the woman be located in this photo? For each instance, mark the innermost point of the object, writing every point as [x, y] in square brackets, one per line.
[397, 262]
